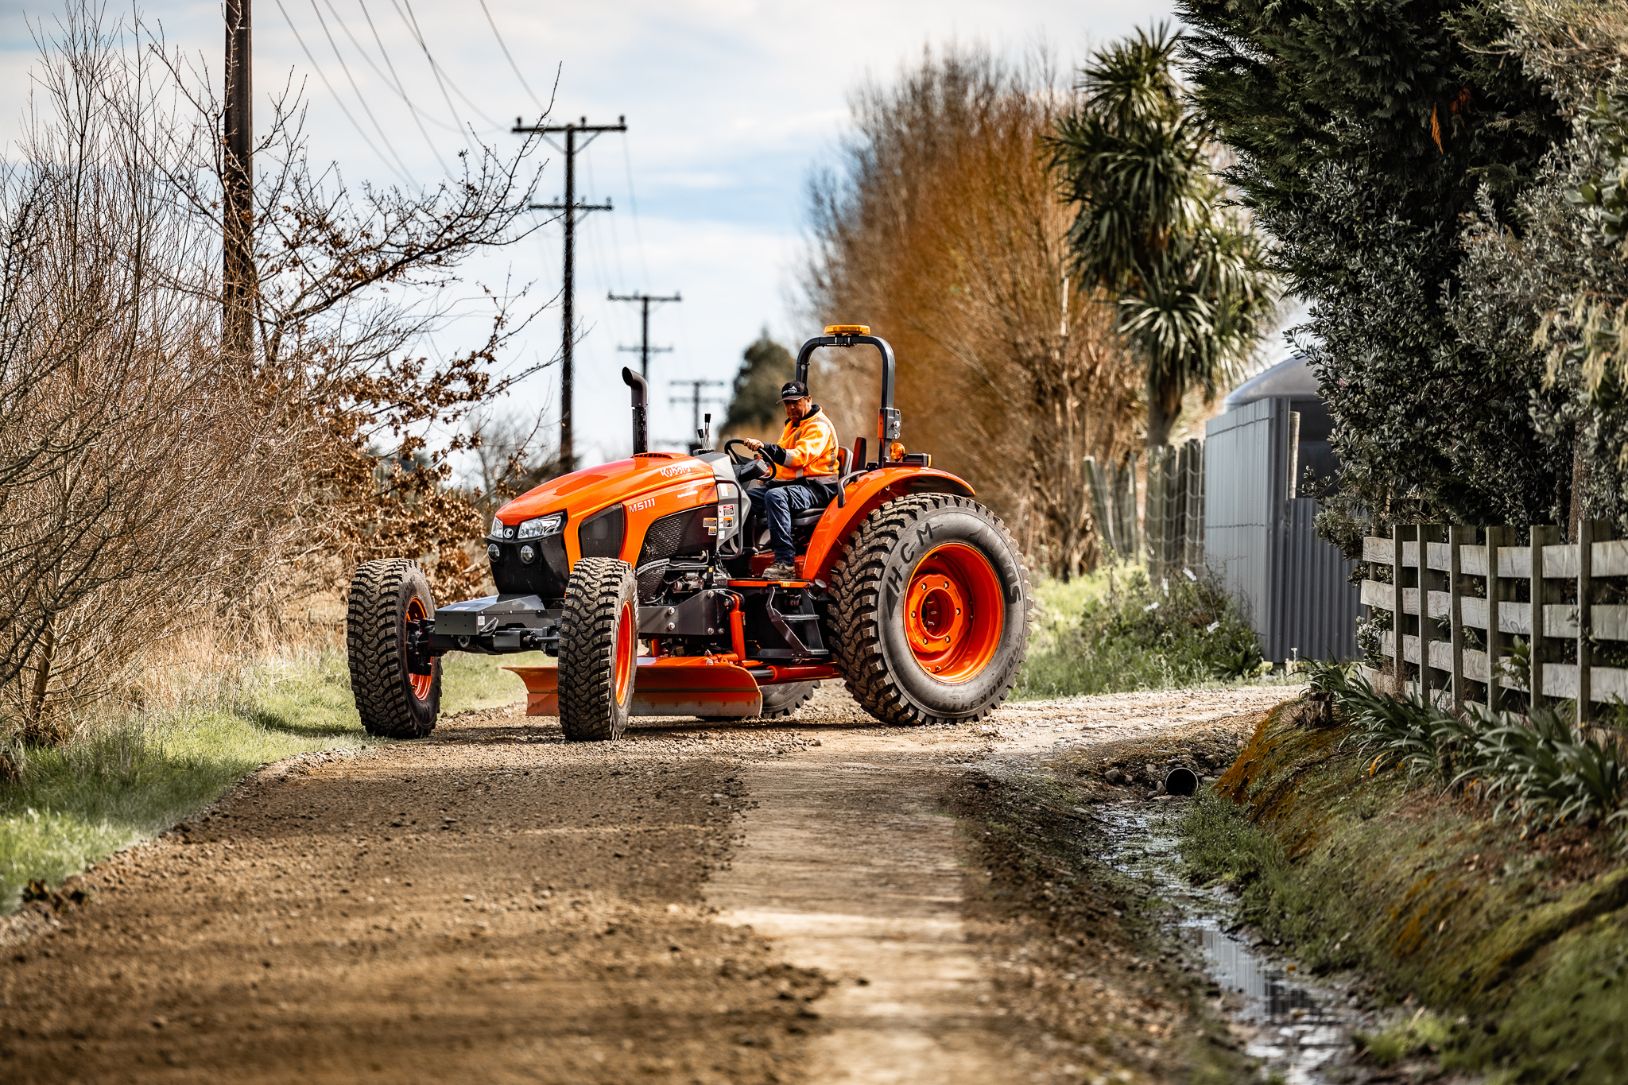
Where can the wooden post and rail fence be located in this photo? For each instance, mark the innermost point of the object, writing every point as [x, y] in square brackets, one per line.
[1478, 616]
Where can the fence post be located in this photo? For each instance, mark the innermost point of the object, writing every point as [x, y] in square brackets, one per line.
[1153, 512]
[1168, 509]
[1496, 590]
[1199, 458]
[1177, 549]
[1131, 531]
[1586, 530]
[1101, 499]
[1455, 612]
[1399, 616]
[1426, 534]
[1541, 537]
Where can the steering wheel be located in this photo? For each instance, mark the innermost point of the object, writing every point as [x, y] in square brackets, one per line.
[747, 462]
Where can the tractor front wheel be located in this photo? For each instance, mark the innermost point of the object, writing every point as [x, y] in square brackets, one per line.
[599, 649]
[930, 609]
[386, 599]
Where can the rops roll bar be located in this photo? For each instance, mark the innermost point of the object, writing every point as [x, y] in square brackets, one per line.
[888, 419]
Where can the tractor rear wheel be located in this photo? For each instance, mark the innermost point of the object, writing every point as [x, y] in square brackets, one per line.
[930, 611]
[386, 597]
[599, 649]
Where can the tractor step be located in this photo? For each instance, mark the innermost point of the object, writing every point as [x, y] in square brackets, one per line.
[662, 686]
[759, 582]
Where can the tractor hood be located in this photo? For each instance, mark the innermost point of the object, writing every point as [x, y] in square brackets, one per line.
[593, 488]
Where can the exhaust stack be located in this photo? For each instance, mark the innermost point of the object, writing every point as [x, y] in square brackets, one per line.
[641, 394]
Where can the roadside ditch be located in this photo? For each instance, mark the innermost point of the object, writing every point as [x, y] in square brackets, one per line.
[1300, 920]
[1111, 955]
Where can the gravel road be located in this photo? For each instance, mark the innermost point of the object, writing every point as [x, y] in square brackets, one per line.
[757, 903]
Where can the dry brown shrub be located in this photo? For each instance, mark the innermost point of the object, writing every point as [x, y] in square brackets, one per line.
[127, 456]
[942, 228]
[149, 485]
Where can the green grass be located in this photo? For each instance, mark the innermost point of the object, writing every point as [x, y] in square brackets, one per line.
[1114, 631]
[131, 778]
[1516, 947]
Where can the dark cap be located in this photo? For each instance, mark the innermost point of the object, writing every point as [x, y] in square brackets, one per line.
[793, 390]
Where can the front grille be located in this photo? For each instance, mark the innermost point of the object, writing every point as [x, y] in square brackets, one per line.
[543, 577]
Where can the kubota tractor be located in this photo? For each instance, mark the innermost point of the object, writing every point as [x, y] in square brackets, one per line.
[642, 577]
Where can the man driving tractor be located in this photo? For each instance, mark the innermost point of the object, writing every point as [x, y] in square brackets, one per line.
[805, 475]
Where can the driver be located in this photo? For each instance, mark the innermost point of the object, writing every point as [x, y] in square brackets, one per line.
[805, 476]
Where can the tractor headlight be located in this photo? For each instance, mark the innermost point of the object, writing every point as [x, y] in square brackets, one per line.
[540, 527]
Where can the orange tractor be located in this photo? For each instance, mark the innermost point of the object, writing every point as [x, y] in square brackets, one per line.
[643, 579]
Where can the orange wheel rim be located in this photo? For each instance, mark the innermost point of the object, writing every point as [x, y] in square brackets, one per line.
[954, 612]
[625, 651]
[420, 684]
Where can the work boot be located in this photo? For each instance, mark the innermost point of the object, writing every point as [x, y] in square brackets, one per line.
[780, 570]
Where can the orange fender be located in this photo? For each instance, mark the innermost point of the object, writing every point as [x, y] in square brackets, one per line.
[864, 494]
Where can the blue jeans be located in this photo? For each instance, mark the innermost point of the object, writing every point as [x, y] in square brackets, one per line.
[778, 504]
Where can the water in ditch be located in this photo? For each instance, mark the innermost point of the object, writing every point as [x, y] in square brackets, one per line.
[1299, 1028]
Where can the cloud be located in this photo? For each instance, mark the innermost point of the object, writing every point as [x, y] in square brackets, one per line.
[729, 104]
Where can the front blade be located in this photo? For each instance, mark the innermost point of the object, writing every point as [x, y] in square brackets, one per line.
[664, 686]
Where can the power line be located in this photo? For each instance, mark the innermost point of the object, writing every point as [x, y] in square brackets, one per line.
[435, 70]
[399, 87]
[413, 22]
[633, 204]
[360, 97]
[392, 80]
[542, 109]
[340, 102]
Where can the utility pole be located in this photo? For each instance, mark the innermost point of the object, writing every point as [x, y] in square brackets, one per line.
[644, 348]
[237, 189]
[568, 208]
[695, 399]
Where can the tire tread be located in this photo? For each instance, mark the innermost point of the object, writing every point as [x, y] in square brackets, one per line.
[856, 589]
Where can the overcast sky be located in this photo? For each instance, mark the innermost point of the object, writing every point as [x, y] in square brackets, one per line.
[729, 104]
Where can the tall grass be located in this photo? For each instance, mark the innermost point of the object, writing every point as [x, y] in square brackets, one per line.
[130, 777]
[1540, 768]
[1116, 630]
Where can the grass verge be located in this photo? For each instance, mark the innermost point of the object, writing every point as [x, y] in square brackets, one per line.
[131, 778]
[1114, 630]
[1511, 948]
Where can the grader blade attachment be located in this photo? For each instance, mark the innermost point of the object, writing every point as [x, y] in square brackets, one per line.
[665, 686]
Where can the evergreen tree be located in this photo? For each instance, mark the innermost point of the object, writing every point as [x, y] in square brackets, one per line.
[755, 402]
[1363, 132]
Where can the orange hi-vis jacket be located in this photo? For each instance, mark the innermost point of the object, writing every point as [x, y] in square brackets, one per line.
[811, 448]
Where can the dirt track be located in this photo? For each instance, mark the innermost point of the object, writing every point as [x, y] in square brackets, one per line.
[760, 903]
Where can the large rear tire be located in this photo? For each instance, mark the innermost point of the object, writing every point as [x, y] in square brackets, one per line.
[930, 611]
[392, 701]
[599, 648]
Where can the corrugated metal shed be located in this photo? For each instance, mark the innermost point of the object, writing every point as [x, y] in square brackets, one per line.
[1260, 538]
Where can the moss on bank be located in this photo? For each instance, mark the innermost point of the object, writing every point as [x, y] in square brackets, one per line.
[1517, 947]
